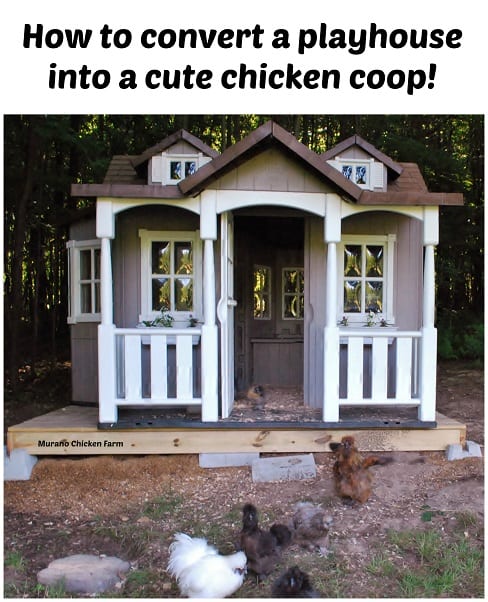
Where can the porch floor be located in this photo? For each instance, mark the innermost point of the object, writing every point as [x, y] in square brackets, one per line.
[74, 430]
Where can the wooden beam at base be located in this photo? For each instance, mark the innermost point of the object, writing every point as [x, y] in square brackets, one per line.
[73, 431]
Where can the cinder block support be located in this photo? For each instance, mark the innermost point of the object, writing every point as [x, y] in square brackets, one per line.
[209, 460]
[18, 465]
[455, 451]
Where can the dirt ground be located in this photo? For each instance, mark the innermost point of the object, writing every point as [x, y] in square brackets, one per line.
[131, 507]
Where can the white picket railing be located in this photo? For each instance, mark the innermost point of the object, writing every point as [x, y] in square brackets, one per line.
[382, 367]
[156, 366]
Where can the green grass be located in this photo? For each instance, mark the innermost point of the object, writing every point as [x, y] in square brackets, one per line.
[158, 508]
[441, 569]
[14, 560]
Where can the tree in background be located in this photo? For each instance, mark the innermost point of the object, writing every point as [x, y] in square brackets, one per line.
[44, 155]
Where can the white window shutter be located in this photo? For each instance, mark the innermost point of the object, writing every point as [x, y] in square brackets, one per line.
[157, 169]
[377, 175]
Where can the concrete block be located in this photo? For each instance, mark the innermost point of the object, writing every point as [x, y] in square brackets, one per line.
[18, 465]
[474, 449]
[225, 460]
[284, 468]
[455, 451]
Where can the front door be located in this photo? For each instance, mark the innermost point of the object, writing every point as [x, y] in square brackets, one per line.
[270, 287]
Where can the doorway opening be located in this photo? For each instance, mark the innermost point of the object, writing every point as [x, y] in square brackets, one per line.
[270, 288]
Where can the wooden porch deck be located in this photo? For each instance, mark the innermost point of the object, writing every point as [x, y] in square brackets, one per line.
[73, 430]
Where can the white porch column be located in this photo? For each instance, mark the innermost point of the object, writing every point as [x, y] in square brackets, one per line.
[332, 233]
[428, 356]
[210, 348]
[106, 340]
[107, 409]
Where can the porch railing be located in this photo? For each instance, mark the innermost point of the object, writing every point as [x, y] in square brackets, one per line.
[157, 367]
[379, 368]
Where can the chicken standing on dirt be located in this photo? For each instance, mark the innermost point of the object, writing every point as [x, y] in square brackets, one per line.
[294, 583]
[310, 527]
[262, 548]
[353, 481]
[201, 572]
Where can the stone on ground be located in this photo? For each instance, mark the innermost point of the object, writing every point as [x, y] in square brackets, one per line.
[284, 468]
[84, 573]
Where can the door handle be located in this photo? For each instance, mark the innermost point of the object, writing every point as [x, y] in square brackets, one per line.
[231, 303]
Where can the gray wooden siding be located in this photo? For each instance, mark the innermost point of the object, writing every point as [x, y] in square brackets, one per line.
[272, 170]
[84, 362]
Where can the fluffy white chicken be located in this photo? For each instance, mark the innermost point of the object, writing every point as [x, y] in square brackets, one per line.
[201, 572]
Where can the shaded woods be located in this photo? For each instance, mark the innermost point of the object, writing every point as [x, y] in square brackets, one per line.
[45, 154]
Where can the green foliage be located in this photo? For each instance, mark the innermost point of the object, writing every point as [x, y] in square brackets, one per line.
[460, 336]
[442, 570]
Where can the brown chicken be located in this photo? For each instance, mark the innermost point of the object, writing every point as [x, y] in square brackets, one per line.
[262, 548]
[255, 393]
[353, 481]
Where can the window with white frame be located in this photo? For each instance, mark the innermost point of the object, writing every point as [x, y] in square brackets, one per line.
[365, 173]
[170, 274]
[293, 293]
[168, 168]
[366, 273]
[84, 281]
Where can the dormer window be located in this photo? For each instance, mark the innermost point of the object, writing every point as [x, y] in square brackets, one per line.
[180, 168]
[365, 173]
[168, 168]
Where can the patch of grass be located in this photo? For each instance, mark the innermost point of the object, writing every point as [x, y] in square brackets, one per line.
[444, 568]
[51, 591]
[132, 537]
[161, 506]
[381, 565]
[14, 560]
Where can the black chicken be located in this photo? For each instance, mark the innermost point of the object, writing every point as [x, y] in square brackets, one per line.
[262, 548]
[294, 583]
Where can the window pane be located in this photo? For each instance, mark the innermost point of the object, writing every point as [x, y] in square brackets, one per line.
[175, 170]
[184, 258]
[374, 261]
[190, 168]
[85, 264]
[261, 306]
[361, 174]
[161, 257]
[161, 294]
[352, 296]
[85, 300]
[293, 307]
[261, 288]
[347, 171]
[290, 284]
[374, 296]
[261, 278]
[184, 294]
[352, 260]
[97, 264]
[97, 298]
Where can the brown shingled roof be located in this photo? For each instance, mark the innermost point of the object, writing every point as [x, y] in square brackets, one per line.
[406, 185]
[169, 141]
[121, 171]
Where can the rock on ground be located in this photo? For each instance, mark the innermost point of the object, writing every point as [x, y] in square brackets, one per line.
[84, 573]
